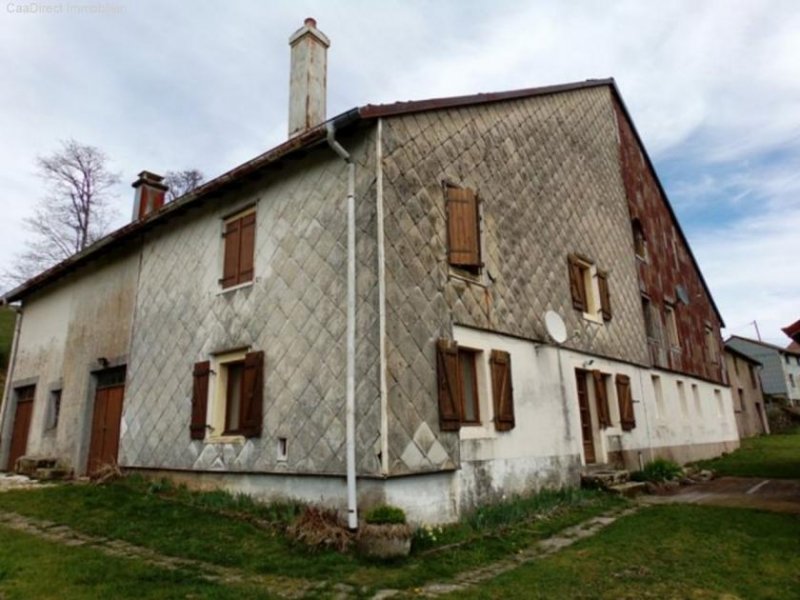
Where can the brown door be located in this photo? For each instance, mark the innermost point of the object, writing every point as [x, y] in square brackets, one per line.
[586, 416]
[22, 424]
[106, 420]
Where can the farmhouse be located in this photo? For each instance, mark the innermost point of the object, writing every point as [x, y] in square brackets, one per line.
[431, 304]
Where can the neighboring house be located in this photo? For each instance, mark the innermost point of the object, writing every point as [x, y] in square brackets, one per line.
[748, 401]
[780, 377]
[793, 331]
[243, 334]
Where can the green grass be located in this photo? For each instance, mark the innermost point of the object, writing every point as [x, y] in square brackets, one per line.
[7, 320]
[775, 456]
[234, 532]
[34, 568]
[670, 551]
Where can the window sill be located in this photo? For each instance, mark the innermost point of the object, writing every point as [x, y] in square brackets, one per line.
[476, 431]
[480, 279]
[233, 288]
[593, 318]
[226, 439]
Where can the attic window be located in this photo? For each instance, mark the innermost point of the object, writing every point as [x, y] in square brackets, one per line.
[463, 228]
[239, 236]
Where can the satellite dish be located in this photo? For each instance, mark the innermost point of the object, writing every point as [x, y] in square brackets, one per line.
[682, 294]
[555, 326]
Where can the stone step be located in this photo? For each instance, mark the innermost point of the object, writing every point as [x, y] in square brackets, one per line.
[603, 478]
[629, 489]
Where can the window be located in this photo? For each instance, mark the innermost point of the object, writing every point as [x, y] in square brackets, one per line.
[463, 228]
[711, 346]
[601, 399]
[589, 289]
[672, 326]
[698, 407]
[682, 399]
[742, 406]
[54, 410]
[470, 412]
[718, 398]
[787, 358]
[659, 396]
[736, 366]
[625, 399]
[458, 387]
[239, 249]
[753, 380]
[233, 404]
[651, 328]
[639, 239]
[791, 380]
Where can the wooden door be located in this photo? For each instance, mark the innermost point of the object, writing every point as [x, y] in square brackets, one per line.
[586, 417]
[105, 426]
[22, 424]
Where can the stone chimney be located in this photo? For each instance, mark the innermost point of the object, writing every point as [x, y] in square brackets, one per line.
[150, 194]
[308, 77]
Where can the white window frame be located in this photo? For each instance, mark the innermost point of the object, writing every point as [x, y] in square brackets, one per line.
[217, 401]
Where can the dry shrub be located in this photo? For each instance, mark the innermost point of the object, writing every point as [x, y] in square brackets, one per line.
[107, 473]
[320, 529]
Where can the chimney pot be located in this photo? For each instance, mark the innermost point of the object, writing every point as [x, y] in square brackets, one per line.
[150, 194]
[307, 77]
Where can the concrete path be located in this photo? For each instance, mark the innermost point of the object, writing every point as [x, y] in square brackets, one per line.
[10, 481]
[779, 495]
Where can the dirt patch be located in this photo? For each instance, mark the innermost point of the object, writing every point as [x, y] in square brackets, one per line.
[778, 495]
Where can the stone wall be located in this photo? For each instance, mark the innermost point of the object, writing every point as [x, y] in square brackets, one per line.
[548, 175]
[294, 311]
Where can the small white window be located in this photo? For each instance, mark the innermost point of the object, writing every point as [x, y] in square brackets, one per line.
[659, 396]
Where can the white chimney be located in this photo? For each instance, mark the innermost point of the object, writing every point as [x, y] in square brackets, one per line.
[308, 77]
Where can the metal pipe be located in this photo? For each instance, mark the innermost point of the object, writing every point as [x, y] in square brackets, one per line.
[382, 299]
[350, 398]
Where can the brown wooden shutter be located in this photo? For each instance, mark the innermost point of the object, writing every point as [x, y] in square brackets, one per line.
[605, 297]
[627, 417]
[463, 227]
[247, 248]
[502, 390]
[576, 284]
[601, 399]
[233, 236]
[252, 394]
[197, 428]
[449, 383]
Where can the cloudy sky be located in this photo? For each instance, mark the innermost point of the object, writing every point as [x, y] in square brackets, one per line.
[714, 88]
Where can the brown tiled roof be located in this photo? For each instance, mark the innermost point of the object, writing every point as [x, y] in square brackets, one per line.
[314, 137]
[793, 331]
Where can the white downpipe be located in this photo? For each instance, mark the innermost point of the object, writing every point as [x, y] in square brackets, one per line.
[350, 399]
[382, 300]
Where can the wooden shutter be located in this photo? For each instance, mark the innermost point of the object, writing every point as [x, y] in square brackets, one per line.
[576, 284]
[463, 227]
[605, 297]
[627, 417]
[247, 247]
[449, 383]
[233, 236]
[601, 399]
[502, 390]
[197, 428]
[252, 394]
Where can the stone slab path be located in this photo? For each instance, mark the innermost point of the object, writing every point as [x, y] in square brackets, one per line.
[779, 495]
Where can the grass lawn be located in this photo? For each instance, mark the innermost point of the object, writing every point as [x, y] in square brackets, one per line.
[775, 456]
[176, 522]
[33, 568]
[670, 551]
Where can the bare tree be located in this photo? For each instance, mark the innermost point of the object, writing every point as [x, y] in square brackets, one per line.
[182, 182]
[73, 214]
